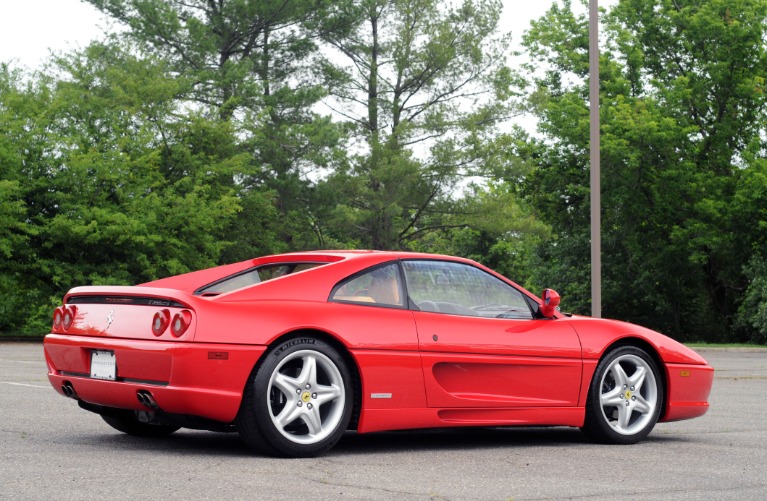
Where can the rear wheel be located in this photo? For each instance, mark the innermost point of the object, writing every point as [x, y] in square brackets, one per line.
[128, 421]
[299, 401]
[625, 397]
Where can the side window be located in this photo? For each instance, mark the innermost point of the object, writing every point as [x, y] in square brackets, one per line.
[381, 285]
[461, 289]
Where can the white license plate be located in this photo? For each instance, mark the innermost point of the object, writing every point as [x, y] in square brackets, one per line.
[103, 365]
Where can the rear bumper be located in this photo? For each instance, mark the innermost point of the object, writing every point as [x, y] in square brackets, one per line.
[199, 379]
[688, 389]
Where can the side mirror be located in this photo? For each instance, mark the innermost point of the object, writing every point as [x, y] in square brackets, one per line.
[549, 302]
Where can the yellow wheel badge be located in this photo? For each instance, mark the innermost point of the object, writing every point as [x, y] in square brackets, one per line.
[306, 396]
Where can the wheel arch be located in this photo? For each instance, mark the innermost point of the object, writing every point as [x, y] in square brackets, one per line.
[654, 354]
[351, 362]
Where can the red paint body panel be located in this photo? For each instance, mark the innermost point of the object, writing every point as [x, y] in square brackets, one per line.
[416, 369]
[180, 376]
[688, 387]
[496, 336]
[496, 362]
[356, 326]
[500, 381]
[598, 334]
[389, 419]
[121, 321]
[391, 380]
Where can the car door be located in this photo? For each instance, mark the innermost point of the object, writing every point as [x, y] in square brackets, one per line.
[480, 344]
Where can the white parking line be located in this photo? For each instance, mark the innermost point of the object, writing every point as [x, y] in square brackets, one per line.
[22, 384]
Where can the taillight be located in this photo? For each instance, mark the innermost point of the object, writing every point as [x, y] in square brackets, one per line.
[181, 321]
[160, 322]
[69, 316]
[58, 317]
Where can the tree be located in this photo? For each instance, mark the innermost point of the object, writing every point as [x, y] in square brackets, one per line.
[713, 82]
[116, 182]
[682, 101]
[750, 209]
[249, 62]
[15, 107]
[423, 84]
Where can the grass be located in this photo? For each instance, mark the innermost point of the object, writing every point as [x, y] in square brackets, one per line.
[724, 345]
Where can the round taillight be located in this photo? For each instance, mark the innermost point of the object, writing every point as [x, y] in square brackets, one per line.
[58, 316]
[160, 322]
[181, 321]
[69, 316]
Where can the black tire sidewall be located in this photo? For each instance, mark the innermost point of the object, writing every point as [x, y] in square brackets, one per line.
[259, 391]
[595, 424]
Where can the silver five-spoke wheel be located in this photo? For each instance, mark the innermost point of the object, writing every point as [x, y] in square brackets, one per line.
[306, 397]
[625, 397]
[629, 394]
[299, 399]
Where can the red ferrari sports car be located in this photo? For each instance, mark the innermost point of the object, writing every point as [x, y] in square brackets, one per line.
[293, 350]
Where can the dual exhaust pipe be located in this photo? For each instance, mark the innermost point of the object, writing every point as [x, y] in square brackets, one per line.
[145, 398]
[69, 390]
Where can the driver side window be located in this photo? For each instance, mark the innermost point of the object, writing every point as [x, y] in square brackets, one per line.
[461, 289]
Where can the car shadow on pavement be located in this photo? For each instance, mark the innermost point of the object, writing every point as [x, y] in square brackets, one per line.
[477, 438]
[459, 439]
[186, 442]
[183, 442]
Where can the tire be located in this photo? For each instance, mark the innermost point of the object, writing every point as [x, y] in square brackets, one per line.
[128, 422]
[625, 397]
[298, 402]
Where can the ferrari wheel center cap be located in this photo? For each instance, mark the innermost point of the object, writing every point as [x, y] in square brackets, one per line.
[306, 396]
[628, 394]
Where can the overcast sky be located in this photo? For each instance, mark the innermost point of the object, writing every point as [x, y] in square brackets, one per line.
[29, 29]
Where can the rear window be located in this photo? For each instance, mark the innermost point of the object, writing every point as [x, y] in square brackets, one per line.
[253, 276]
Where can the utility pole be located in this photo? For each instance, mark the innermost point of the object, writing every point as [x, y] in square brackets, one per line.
[594, 139]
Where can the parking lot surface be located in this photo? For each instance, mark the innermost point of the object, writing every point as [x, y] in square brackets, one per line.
[51, 449]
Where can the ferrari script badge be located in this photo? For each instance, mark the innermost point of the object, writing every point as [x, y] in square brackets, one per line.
[110, 318]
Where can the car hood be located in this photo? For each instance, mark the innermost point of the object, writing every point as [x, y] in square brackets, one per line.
[598, 333]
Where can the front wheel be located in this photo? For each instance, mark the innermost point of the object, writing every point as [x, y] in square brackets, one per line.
[625, 397]
[299, 402]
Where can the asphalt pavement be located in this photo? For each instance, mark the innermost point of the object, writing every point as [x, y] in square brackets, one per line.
[51, 449]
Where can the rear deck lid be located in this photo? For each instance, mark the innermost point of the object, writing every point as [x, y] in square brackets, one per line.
[126, 312]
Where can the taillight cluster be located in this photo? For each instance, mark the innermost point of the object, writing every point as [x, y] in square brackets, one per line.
[64, 317]
[160, 322]
[178, 325]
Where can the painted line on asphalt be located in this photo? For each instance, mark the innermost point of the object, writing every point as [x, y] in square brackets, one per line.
[22, 384]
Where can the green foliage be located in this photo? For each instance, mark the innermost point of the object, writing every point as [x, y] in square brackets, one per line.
[752, 314]
[682, 113]
[227, 49]
[422, 84]
[250, 63]
[113, 183]
[195, 137]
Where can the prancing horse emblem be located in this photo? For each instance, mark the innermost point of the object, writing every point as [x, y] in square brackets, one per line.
[110, 318]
